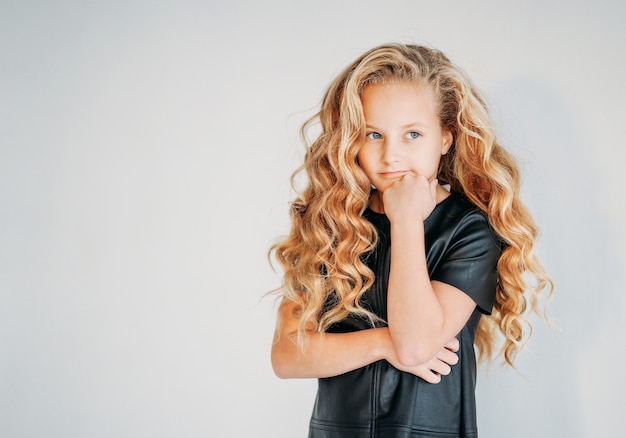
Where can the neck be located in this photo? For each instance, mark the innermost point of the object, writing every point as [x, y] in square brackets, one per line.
[441, 194]
[376, 202]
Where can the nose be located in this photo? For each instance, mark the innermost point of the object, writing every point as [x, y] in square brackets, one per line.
[391, 151]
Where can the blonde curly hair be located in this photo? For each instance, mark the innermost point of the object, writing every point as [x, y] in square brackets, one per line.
[322, 257]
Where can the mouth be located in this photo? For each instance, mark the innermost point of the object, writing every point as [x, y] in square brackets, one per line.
[394, 174]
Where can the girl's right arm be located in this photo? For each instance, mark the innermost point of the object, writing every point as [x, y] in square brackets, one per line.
[332, 354]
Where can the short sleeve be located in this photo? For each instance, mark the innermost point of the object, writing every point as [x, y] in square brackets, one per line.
[470, 261]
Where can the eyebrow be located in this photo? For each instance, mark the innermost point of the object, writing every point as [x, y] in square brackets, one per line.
[407, 126]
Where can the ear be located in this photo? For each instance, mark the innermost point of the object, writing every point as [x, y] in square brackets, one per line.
[447, 142]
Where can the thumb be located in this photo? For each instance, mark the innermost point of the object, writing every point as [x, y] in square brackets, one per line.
[433, 187]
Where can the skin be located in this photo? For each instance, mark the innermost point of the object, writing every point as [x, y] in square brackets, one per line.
[400, 156]
[332, 354]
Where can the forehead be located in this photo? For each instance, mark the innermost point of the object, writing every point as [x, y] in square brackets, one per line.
[399, 100]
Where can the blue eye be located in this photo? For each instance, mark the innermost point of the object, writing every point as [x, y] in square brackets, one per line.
[413, 135]
[373, 135]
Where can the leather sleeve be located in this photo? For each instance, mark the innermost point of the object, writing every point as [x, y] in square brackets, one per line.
[470, 261]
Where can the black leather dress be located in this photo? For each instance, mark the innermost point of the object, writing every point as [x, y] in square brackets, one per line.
[380, 401]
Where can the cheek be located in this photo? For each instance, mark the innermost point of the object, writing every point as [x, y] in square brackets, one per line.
[367, 153]
[362, 158]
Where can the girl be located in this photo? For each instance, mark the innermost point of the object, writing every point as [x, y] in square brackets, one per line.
[409, 230]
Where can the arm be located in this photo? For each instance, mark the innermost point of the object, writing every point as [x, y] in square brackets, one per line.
[332, 354]
[324, 355]
[421, 313]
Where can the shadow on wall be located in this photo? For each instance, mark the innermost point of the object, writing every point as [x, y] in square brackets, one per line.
[559, 392]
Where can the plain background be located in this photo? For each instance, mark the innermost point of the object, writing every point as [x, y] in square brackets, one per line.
[145, 154]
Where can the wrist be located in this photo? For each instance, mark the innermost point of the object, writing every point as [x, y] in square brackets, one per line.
[383, 347]
[407, 229]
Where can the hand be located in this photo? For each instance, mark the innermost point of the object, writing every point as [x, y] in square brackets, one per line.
[438, 366]
[410, 197]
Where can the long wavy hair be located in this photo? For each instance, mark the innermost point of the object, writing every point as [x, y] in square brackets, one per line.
[322, 255]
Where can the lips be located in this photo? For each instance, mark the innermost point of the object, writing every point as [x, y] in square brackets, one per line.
[394, 174]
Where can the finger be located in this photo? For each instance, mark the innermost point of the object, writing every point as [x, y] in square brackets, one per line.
[433, 188]
[413, 173]
[439, 367]
[448, 357]
[425, 372]
[453, 345]
[431, 377]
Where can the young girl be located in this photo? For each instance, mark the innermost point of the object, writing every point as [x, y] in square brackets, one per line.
[409, 231]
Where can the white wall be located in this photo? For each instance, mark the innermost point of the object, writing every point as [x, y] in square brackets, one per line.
[145, 150]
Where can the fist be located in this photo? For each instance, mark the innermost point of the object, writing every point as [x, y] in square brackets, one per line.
[410, 197]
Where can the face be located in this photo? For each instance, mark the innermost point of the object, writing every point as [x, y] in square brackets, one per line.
[403, 133]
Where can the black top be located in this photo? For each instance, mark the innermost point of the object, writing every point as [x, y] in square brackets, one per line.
[380, 401]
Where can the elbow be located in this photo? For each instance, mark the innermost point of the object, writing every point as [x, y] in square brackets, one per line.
[281, 373]
[409, 355]
[414, 350]
[413, 358]
[280, 370]
[280, 365]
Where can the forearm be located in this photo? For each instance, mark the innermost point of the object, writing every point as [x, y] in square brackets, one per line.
[415, 315]
[329, 354]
